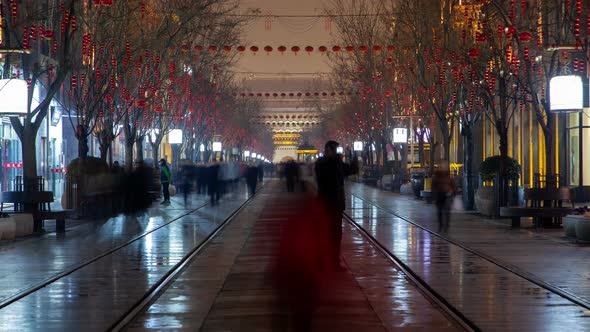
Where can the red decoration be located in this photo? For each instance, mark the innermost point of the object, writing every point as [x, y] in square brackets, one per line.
[480, 37]
[184, 48]
[525, 36]
[212, 49]
[49, 34]
[322, 49]
[268, 49]
[377, 48]
[241, 49]
[363, 48]
[226, 49]
[309, 49]
[198, 48]
[474, 52]
[254, 49]
[390, 48]
[336, 49]
[349, 49]
[282, 49]
[295, 49]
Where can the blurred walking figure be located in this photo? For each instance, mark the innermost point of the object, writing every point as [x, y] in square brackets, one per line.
[213, 183]
[292, 175]
[165, 178]
[252, 179]
[260, 172]
[443, 188]
[330, 172]
[186, 179]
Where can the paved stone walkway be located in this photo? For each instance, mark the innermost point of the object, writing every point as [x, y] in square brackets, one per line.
[96, 295]
[233, 286]
[544, 253]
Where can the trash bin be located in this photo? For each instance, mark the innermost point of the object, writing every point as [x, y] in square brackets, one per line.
[417, 183]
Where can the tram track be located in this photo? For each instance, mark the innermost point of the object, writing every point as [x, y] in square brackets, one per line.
[451, 312]
[165, 281]
[79, 266]
[503, 265]
[46, 282]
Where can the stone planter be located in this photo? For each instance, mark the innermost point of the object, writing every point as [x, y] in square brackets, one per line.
[582, 228]
[569, 225]
[406, 189]
[485, 201]
[7, 229]
[23, 224]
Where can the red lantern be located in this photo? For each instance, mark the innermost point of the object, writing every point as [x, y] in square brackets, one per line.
[322, 49]
[525, 36]
[336, 49]
[295, 49]
[363, 48]
[241, 49]
[349, 49]
[388, 93]
[480, 37]
[184, 48]
[141, 103]
[49, 34]
[377, 48]
[474, 52]
[309, 49]
[267, 49]
[389, 60]
[390, 48]
[254, 49]
[282, 49]
[226, 49]
[212, 49]
[198, 48]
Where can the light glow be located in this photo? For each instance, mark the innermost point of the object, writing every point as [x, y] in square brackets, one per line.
[566, 93]
[13, 96]
[175, 136]
[216, 146]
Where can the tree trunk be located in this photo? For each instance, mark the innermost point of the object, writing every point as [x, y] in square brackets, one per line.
[469, 192]
[104, 151]
[155, 152]
[550, 152]
[82, 136]
[139, 149]
[503, 176]
[129, 155]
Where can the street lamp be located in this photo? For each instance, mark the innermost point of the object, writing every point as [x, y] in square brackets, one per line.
[217, 147]
[175, 140]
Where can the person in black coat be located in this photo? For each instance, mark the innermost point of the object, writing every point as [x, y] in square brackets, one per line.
[252, 179]
[213, 183]
[330, 172]
[291, 174]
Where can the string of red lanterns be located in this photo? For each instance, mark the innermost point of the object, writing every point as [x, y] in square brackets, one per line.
[294, 49]
[306, 94]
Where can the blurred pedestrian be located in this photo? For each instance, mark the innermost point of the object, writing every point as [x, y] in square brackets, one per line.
[186, 178]
[165, 179]
[443, 190]
[260, 172]
[291, 174]
[330, 172]
[213, 183]
[252, 179]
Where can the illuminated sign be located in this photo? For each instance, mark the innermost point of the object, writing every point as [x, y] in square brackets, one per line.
[358, 146]
[400, 135]
[566, 93]
[175, 136]
[13, 96]
[307, 151]
[216, 146]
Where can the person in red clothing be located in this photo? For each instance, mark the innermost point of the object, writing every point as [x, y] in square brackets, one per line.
[443, 189]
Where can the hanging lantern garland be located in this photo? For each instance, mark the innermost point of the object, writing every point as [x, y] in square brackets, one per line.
[362, 49]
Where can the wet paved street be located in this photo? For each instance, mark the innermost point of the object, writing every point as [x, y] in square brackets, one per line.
[93, 297]
[233, 283]
[230, 286]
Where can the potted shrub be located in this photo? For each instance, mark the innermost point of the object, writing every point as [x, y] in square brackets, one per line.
[485, 199]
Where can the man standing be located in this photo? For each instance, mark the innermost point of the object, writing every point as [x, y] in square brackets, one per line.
[330, 172]
[165, 180]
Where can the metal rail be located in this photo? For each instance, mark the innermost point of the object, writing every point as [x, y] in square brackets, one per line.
[452, 312]
[506, 266]
[46, 282]
[161, 285]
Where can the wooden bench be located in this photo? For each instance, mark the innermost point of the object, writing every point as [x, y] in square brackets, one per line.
[41, 212]
[541, 203]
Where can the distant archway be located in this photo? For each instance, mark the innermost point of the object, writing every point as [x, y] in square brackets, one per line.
[286, 159]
